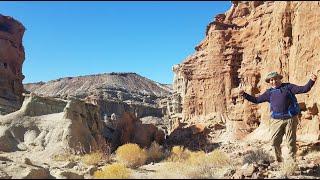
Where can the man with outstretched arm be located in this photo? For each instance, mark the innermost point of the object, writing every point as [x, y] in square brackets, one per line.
[284, 108]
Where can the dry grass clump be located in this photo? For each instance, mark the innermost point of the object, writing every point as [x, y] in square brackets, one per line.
[113, 171]
[218, 158]
[313, 154]
[131, 155]
[200, 167]
[288, 167]
[178, 154]
[257, 156]
[65, 157]
[194, 164]
[172, 170]
[155, 152]
[94, 158]
[212, 165]
[196, 157]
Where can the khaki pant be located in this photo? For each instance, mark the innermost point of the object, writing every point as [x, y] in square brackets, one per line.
[279, 128]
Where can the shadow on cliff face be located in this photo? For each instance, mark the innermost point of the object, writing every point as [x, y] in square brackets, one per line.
[194, 137]
[129, 129]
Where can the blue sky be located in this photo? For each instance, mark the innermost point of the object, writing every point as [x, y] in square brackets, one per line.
[67, 39]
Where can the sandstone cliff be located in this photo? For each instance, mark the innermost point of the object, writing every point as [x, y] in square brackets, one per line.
[11, 60]
[240, 47]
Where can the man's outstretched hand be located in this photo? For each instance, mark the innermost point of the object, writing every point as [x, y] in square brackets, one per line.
[241, 92]
[241, 89]
[313, 77]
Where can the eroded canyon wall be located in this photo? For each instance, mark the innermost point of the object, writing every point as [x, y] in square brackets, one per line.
[240, 47]
[11, 60]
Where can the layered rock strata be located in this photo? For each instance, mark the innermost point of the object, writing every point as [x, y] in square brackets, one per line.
[240, 47]
[11, 59]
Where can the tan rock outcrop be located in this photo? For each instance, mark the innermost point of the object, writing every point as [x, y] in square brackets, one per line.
[241, 46]
[52, 126]
[11, 60]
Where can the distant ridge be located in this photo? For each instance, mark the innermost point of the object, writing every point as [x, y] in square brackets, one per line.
[91, 84]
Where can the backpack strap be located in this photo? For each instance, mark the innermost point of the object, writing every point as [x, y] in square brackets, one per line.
[294, 103]
[291, 95]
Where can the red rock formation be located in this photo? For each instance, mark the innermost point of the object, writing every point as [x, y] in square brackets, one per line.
[241, 47]
[129, 129]
[194, 137]
[11, 60]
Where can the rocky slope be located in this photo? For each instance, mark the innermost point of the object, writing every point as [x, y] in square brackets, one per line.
[38, 140]
[11, 60]
[240, 47]
[44, 128]
[113, 92]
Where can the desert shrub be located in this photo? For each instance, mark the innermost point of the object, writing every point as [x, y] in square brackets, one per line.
[94, 158]
[178, 153]
[218, 158]
[194, 164]
[257, 156]
[65, 157]
[131, 155]
[113, 171]
[179, 160]
[155, 152]
[172, 170]
[288, 168]
[208, 165]
[199, 166]
[201, 172]
[196, 157]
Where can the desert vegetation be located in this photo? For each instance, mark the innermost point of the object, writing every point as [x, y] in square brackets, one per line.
[189, 164]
